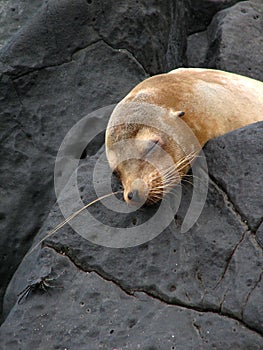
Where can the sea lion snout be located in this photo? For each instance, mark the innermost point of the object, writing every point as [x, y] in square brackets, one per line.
[136, 193]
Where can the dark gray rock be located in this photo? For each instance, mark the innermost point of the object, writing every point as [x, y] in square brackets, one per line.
[147, 29]
[84, 311]
[253, 309]
[13, 16]
[72, 90]
[230, 164]
[259, 235]
[235, 40]
[38, 109]
[197, 47]
[68, 59]
[214, 268]
[201, 12]
[239, 289]
[226, 45]
[201, 289]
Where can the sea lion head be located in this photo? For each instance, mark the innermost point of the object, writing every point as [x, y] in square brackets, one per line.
[143, 151]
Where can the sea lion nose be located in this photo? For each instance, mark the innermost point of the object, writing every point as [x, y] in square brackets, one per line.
[130, 195]
[134, 195]
[137, 192]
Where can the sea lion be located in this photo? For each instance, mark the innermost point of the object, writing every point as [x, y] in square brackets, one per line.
[157, 116]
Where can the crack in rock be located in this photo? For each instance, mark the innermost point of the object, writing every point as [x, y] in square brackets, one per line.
[249, 294]
[228, 260]
[198, 329]
[157, 296]
[127, 52]
[20, 125]
[74, 53]
[229, 203]
[223, 300]
[101, 275]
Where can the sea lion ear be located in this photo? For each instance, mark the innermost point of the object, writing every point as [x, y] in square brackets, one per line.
[180, 114]
[177, 114]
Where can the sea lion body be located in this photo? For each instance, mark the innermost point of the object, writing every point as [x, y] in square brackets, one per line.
[214, 102]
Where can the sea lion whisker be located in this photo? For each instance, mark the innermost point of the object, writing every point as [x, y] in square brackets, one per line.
[154, 191]
[182, 168]
[188, 182]
[187, 158]
[156, 195]
[171, 178]
[169, 174]
[69, 218]
[170, 184]
[155, 199]
[173, 175]
[182, 165]
[164, 182]
[196, 177]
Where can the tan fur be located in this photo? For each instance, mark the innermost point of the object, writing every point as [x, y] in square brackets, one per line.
[214, 102]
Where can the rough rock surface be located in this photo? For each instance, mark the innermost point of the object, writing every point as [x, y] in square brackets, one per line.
[208, 275]
[41, 108]
[233, 41]
[244, 191]
[14, 14]
[86, 310]
[228, 32]
[60, 28]
[69, 59]
[201, 12]
[178, 291]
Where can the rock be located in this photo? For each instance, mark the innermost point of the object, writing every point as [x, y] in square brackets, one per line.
[202, 269]
[67, 60]
[223, 46]
[200, 289]
[40, 108]
[197, 47]
[252, 312]
[201, 12]
[61, 28]
[259, 235]
[13, 16]
[230, 46]
[230, 164]
[86, 311]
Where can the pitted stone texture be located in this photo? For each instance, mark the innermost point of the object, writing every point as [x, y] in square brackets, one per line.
[235, 40]
[70, 91]
[152, 31]
[235, 162]
[240, 291]
[57, 68]
[225, 45]
[202, 12]
[197, 46]
[215, 266]
[13, 16]
[96, 53]
[259, 235]
[37, 111]
[84, 311]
